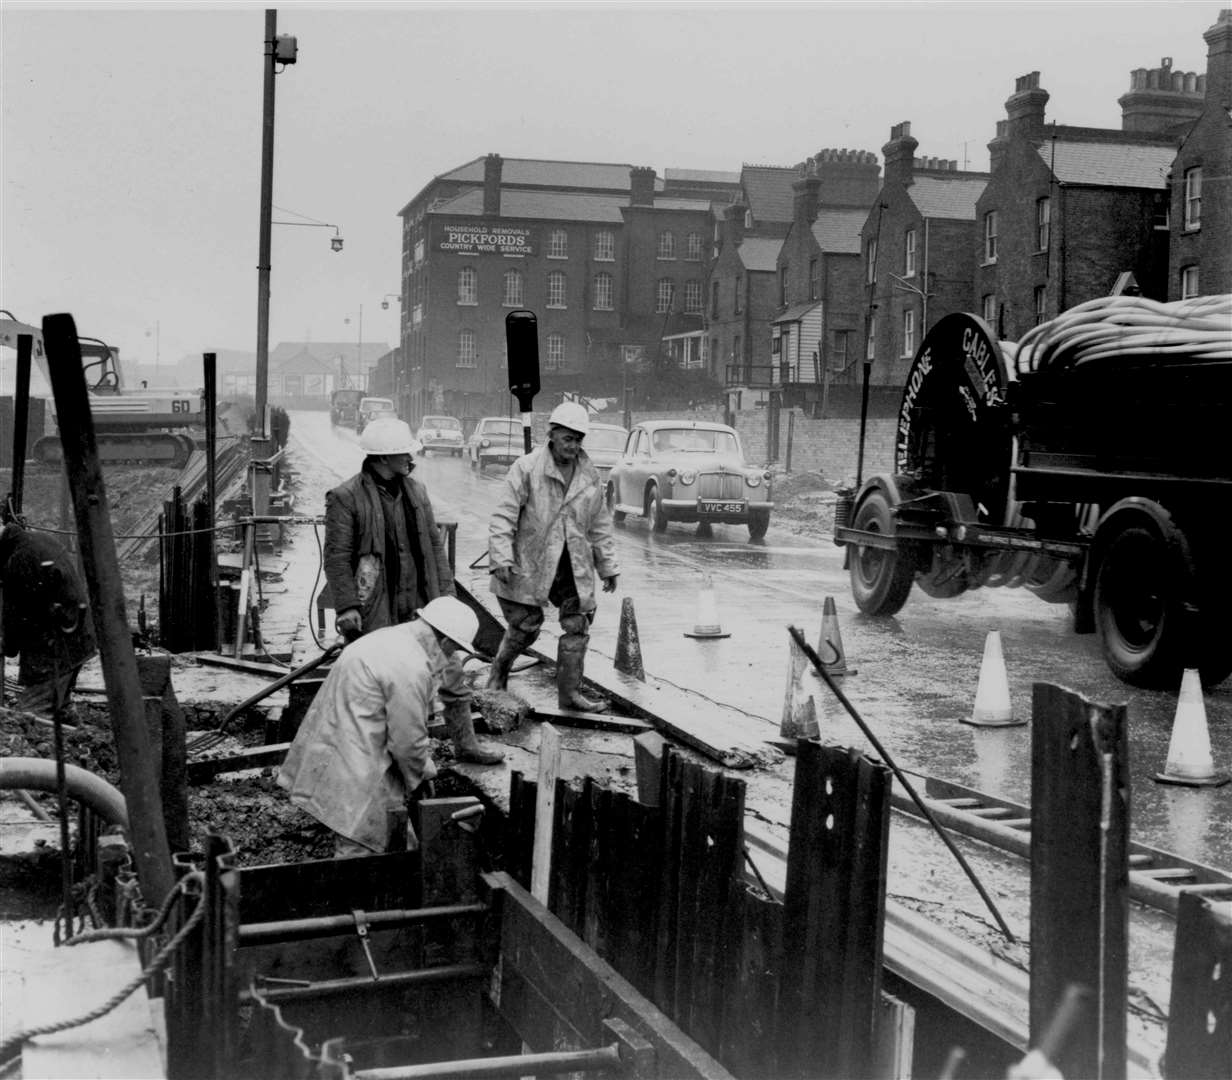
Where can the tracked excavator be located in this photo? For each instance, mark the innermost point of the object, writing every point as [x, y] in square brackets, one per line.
[151, 427]
[1088, 462]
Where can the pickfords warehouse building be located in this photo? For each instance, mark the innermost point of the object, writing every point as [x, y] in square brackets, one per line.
[785, 283]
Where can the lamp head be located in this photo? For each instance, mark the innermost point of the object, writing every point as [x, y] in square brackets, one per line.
[335, 243]
[385, 305]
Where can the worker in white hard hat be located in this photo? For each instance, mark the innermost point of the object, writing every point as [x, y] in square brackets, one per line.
[549, 536]
[362, 749]
[385, 559]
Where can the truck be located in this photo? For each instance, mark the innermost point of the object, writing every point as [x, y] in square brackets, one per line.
[1090, 463]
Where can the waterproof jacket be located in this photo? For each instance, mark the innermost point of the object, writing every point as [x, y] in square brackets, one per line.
[536, 519]
[354, 555]
[46, 616]
[363, 744]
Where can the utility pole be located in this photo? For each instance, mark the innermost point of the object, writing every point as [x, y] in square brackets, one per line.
[267, 209]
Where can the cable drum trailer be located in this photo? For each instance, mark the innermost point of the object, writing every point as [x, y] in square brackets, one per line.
[1090, 462]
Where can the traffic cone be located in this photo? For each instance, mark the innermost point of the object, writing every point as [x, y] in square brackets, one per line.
[992, 693]
[707, 624]
[830, 643]
[799, 705]
[628, 648]
[1189, 751]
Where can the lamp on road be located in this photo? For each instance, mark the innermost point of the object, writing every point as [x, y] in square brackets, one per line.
[389, 296]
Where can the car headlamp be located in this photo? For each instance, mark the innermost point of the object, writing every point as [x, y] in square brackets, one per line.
[688, 476]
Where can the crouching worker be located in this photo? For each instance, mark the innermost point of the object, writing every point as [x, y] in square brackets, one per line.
[363, 749]
[549, 536]
[46, 619]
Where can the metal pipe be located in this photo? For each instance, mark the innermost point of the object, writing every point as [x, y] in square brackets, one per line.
[348, 987]
[84, 473]
[282, 930]
[21, 411]
[560, 1061]
[278, 684]
[210, 365]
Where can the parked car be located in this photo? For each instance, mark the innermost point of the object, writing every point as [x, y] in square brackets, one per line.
[369, 409]
[681, 470]
[604, 444]
[443, 433]
[496, 440]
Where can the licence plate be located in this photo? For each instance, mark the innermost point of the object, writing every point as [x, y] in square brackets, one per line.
[715, 506]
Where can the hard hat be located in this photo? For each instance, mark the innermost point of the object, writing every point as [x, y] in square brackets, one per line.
[388, 436]
[453, 619]
[571, 415]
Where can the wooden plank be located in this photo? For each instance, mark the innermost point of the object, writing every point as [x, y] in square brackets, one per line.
[620, 725]
[895, 1048]
[750, 1040]
[329, 887]
[538, 951]
[692, 833]
[199, 772]
[545, 802]
[254, 667]
[570, 856]
[1080, 872]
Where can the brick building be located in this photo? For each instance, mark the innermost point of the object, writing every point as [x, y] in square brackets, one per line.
[917, 262]
[1068, 210]
[610, 259]
[819, 321]
[1200, 256]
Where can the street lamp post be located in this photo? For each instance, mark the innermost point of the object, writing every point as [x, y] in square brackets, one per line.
[923, 294]
[359, 354]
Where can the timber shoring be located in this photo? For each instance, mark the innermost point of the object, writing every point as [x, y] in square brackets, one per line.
[658, 892]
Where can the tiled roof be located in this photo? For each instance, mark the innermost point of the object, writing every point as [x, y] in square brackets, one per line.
[701, 176]
[951, 197]
[797, 312]
[322, 356]
[760, 252]
[662, 203]
[1109, 164]
[768, 191]
[546, 205]
[838, 231]
[552, 174]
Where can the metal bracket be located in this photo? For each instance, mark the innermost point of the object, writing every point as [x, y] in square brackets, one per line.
[361, 928]
[637, 1056]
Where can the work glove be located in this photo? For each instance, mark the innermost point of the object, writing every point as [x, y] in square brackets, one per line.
[609, 583]
[349, 624]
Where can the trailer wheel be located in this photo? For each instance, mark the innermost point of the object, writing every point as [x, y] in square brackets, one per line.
[1138, 615]
[880, 580]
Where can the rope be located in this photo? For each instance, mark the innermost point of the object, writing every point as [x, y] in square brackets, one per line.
[161, 958]
[113, 933]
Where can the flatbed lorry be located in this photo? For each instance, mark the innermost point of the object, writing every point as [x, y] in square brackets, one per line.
[1090, 462]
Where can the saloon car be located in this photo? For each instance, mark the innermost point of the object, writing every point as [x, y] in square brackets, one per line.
[441, 433]
[369, 409]
[683, 470]
[603, 445]
[496, 440]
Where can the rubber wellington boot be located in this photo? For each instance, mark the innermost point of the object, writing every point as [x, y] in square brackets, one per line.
[570, 661]
[462, 731]
[498, 674]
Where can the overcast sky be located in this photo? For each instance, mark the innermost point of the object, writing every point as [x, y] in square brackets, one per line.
[131, 148]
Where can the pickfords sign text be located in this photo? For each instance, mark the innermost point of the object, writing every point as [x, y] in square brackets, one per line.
[481, 238]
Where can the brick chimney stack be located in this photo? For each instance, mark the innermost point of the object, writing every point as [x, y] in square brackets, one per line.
[804, 194]
[997, 146]
[492, 185]
[1025, 108]
[1219, 61]
[641, 186]
[1160, 99]
[848, 177]
[899, 155]
[733, 224]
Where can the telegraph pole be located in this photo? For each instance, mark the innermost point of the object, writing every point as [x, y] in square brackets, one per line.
[267, 209]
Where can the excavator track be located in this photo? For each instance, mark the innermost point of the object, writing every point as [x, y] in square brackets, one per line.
[171, 449]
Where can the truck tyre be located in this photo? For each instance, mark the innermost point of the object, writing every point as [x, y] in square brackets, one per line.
[1139, 614]
[880, 580]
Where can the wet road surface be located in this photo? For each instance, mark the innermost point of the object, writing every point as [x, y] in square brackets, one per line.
[916, 673]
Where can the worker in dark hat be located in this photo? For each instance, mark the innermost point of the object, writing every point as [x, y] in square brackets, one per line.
[46, 618]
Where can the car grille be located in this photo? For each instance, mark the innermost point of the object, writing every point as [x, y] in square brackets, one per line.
[720, 486]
